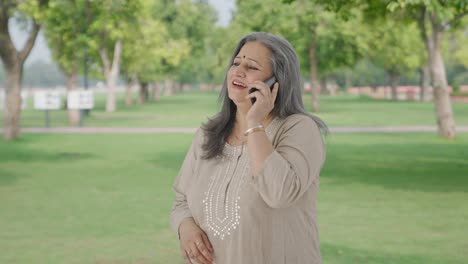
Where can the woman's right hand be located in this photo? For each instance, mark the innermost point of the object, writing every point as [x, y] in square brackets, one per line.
[194, 244]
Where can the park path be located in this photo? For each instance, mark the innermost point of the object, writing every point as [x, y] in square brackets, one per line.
[189, 130]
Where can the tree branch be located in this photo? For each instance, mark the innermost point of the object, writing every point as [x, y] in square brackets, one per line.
[23, 54]
[455, 19]
[117, 52]
[105, 61]
[8, 51]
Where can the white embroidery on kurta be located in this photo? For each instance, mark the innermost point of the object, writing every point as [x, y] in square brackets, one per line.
[221, 203]
[223, 195]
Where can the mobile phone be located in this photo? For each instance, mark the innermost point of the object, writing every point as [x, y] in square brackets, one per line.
[268, 82]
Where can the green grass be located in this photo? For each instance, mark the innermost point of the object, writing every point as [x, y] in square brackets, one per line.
[384, 198]
[190, 109]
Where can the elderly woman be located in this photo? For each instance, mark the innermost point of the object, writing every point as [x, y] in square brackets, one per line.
[247, 188]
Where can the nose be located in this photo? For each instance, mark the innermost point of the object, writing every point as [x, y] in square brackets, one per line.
[239, 71]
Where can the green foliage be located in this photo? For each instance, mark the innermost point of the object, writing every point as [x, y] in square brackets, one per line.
[339, 42]
[149, 46]
[35, 9]
[396, 47]
[194, 22]
[365, 73]
[66, 33]
[460, 43]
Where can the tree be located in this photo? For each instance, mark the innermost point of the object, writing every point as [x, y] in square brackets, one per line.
[191, 22]
[150, 47]
[109, 23]
[65, 31]
[13, 59]
[434, 17]
[395, 47]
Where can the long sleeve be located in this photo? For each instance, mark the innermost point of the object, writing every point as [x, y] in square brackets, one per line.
[180, 209]
[294, 165]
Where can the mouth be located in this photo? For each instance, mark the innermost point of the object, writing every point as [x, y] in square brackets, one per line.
[238, 84]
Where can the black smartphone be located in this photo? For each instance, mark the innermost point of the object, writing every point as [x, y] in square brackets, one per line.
[268, 82]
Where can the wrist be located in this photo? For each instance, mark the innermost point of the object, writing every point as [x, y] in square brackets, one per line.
[253, 123]
[257, 128]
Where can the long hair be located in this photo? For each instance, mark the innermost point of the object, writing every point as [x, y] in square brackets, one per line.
[286, 69]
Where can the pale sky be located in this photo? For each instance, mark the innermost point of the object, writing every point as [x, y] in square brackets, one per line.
[42, 52]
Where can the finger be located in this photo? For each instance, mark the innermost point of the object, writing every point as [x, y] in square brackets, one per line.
[261, 86]
[257, 95]
[186, 257]
[207, 242]
[203, 249]
[197, 255]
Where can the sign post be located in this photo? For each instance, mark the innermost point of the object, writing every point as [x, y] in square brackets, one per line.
[81, 100]
[47, 100]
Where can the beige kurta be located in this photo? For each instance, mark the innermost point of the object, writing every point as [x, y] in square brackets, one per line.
[265, 218]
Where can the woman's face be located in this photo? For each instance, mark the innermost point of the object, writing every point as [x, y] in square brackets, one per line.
[252, 63]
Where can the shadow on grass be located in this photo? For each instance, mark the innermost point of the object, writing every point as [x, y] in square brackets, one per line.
[19, 151]
[408, 166]
[169, 159]
[338, 254]
[7, 177]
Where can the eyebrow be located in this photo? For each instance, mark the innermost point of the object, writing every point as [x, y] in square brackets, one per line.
[238, 57]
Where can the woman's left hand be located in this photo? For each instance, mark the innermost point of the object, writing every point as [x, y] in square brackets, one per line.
[265, 102]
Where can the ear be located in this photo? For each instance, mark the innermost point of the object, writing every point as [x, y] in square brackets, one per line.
[274, 92]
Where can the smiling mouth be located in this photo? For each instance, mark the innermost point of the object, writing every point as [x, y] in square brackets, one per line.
[238, 84]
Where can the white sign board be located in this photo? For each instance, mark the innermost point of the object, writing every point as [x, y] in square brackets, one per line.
[24, 100]
[47, 100]
[80, 99]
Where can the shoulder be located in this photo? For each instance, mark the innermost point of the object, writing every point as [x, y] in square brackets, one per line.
[301, 122]
[199, 137]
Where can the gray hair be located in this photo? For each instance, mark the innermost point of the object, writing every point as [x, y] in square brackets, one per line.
[286, 69]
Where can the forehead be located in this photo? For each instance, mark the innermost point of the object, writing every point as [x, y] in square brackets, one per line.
[256, 51]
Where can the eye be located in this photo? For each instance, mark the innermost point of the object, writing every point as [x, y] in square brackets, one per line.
[253, 68]
[235, 63]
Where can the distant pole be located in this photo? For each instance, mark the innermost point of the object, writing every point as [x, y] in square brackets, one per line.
[86, 74]
[47, 119]
[86, 11]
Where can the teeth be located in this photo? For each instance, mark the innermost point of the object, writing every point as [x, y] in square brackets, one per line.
[240, 84]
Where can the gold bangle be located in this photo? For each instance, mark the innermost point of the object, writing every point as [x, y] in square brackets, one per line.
[254, 129]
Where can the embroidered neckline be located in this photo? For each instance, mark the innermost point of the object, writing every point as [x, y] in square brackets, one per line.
[221, 203]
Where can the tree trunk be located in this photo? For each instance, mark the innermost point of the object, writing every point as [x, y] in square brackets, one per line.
[13, 61]
[323, 86]
[12, 110]
[428, 43]
[168, 86]
[394, 80]
[424, 82]
[443, 105]
[144, 93]
[129, 91]
[111, 72]
[131, 83]
[347, 79]
[73, 114]
[128, 95]
[156, 92]
[177, 87]
[314, 82]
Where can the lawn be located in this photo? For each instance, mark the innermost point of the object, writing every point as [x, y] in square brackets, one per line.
[384, 198]
[343, 110]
